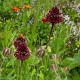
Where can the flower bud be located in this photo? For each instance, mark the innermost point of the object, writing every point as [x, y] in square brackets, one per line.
[54, 56]
[40, 52]
[6, 51]
[54, 66]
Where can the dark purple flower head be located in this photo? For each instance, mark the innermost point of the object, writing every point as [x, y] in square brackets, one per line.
[22, 55]
[54, 16]
[22, 51]
[22, 48]
[19, 41]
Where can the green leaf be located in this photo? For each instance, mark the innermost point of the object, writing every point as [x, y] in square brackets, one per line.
[33, 72]
[72, 62]
[41, 76]
[76, 75]
[10, 74]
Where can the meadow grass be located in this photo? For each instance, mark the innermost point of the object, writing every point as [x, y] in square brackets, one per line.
[60, 60]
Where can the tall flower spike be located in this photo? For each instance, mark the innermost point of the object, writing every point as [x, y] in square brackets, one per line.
[22, 51]
[54, 16]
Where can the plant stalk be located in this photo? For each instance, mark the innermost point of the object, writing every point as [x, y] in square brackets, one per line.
[20, 69]
[49, 36]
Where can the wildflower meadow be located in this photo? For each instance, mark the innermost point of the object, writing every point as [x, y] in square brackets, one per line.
[39, 39]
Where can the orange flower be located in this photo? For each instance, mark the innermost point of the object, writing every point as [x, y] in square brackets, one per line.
[15, 9]
[21, 35]
[44, 19]
[27, 6]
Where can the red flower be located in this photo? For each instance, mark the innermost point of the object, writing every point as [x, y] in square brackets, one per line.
[54, 16]
[15, 9]
[44, 19]
[22, 51]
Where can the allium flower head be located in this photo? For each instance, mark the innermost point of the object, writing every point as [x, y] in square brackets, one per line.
[54, 16]
[22, 54]
[19, 41]
[22, 51]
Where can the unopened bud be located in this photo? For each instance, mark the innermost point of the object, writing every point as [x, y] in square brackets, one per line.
[66, 69]
[6, 51]
[54, 56]
[40, 52]
[54, 66]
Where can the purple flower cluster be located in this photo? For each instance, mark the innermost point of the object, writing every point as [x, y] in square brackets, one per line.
[54, 16]
[22, 51]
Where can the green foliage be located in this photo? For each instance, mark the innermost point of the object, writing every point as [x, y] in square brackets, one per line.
[62, 51]
[72, 62]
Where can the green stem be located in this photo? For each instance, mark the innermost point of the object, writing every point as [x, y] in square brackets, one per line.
[20, 67]
[49, 36]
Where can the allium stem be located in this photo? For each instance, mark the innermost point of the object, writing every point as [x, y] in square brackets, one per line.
[49, 35]
[20, 67]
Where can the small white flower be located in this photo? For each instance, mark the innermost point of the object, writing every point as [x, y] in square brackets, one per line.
[66, 17]
[71, 23]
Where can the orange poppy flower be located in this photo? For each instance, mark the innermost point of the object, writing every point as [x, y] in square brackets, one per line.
[15, 9]
[21, 35]
[27, 6]
[44, 19]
